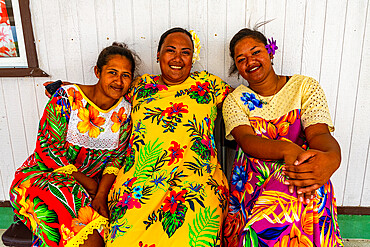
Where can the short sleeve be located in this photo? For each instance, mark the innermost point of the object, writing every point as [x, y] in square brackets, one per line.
[131, 92]
[222, 90]
[234, 114]
[314, 105]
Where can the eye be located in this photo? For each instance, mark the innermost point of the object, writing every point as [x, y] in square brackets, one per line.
[112, 72]
[186, 52]
[241, 60]
[256, 52]
[126, 76]
[170, 50]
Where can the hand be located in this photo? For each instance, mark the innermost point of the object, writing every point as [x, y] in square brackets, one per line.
[291, 153]
[99, 204]
[89, 184]
[312, 169]
[64, 83]
[91, 187]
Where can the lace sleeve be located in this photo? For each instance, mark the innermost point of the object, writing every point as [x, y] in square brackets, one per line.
[314, 105]
[234, 114]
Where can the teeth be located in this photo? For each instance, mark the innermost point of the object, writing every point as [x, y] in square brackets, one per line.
[175, 67]
[253, 69]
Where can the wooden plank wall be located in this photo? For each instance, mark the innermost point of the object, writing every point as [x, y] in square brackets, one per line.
[325, 39]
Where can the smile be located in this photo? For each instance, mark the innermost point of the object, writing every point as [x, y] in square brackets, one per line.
[253, 69]
[175, 67]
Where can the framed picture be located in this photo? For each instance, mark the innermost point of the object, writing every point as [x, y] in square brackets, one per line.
[18, 56]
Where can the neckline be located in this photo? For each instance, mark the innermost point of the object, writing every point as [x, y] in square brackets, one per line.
[287, 79]
[94, 105]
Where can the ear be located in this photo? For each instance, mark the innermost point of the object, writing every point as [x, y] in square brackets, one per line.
[157, 57]
[97, 72]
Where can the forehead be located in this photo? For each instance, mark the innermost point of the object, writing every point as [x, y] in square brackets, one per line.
[119, 62]
[178, 39]
[247, 43]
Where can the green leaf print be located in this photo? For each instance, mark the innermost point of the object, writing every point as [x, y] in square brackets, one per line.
[76, 200]
[45, 216]
[172, 222]
[251, 238]
[59, 194]
[265, 173]
[204, 229]
[147, 158]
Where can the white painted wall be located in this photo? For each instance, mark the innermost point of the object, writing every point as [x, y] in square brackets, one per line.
[325, 39]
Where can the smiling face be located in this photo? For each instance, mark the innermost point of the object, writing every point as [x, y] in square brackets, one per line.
[252, 60]
[114, 78]
[175, 58]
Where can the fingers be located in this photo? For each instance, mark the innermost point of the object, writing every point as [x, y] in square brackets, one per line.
[304, 157]
[309, 189]
[47, 83]
[298, 175]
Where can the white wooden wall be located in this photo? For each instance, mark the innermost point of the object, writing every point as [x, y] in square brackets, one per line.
[325, 39]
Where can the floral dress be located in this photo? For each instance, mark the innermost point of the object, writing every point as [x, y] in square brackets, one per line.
[262, 212]
[171, 191]
[74, 135]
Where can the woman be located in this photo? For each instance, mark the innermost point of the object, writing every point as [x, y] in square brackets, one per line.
[82, 136]
[171, 191]
[281, 125]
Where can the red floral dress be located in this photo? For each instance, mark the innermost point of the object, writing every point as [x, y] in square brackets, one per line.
[74, 135]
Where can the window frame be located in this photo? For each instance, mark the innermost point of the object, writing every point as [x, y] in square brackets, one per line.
[33, 69]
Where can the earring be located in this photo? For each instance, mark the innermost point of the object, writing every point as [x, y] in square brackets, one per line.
[272, 61]
[157, 59]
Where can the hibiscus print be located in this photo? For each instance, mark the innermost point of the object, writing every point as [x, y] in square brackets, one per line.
[251, 100]
[173, 200]
[170, 117]
[75, 97]
[127, 200]
[200, 92]
[240, 179]
[91, 122]
[176, 153]
[118, 119]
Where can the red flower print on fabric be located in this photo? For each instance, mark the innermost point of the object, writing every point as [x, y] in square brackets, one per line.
[173, 200]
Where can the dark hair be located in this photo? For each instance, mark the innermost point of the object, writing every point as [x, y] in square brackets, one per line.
[117, 49]
[243, 33]
[173, 30]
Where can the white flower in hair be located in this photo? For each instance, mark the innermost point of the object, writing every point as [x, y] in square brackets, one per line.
[197, 45]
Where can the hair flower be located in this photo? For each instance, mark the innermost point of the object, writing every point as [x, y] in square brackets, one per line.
[271, 46]
[197, 45]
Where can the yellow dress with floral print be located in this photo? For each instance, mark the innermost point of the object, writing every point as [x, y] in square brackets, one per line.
[171, 190]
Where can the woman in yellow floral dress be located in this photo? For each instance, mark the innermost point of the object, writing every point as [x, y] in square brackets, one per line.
[171, 191]
[82, 136]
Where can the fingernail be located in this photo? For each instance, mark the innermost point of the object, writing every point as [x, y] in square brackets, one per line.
[301, 199]
[299, 192]
[296, 162]
[283, 173]
[312, 196]
[286, 183]
[283, 168]
[307, 201]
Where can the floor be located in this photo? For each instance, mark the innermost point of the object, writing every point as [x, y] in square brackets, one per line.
[347, 243]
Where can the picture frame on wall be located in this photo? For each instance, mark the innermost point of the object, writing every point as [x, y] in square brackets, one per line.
[18, 57]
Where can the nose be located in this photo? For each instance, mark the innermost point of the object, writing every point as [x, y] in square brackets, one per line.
[177, 56]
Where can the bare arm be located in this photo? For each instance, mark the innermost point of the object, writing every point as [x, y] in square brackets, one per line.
[99, 203]
[315, 166]
[263, 148]
[89, 184]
